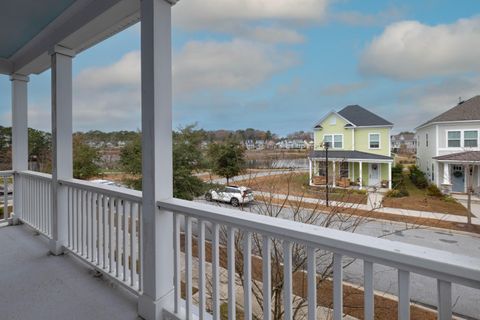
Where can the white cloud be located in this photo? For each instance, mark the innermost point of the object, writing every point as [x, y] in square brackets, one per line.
[356, 18]
[435, 98]
[124, 72]
[412, 50]
[218, 15]
[236, 64]
[205, 67]
[343, 88]
[274, 35]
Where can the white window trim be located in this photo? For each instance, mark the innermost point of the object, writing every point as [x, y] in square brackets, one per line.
[379, 141]
[462, 138]
[333, 140]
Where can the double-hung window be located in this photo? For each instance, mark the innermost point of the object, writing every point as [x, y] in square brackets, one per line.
[470, 139]
[374, 140]
[454, 139]
[335, 141]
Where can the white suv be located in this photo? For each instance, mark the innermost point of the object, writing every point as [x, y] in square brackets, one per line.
[231, 194]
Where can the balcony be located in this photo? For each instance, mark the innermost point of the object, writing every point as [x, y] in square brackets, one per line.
[220, 257]
[73, 249]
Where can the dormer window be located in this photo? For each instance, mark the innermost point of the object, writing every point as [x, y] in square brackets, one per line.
[333, 121]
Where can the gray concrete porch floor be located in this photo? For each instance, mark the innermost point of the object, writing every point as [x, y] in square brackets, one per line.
[36, 285]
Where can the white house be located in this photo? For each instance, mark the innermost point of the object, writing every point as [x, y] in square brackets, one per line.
[448, 144]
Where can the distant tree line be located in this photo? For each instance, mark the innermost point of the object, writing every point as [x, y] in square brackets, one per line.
[225, 159]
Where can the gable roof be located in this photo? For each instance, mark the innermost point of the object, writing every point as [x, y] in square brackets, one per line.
[356, 116]
[464, 111]
[361, 117]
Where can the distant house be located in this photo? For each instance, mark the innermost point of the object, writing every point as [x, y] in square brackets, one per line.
[359, 149]
[249, 144]
[448, 143]
[295, 144]
[404, 142]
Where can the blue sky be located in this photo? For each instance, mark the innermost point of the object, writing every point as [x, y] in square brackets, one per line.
[281, 64]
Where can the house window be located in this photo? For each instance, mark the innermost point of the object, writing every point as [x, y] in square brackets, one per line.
[470, 139]
[433, 173]
[343, 169]
[454, 139]
[337, 141]
[333, 121]
[426, 139]
[334, 140]
[374, 140]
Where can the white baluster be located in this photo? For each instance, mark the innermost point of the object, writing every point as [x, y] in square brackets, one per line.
[369, 298]
[337, 287]
[312, 283]
[267, 278]
[287, 275]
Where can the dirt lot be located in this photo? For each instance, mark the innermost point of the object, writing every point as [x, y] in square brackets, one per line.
[419, 200]
[412, 221]
[296, 184]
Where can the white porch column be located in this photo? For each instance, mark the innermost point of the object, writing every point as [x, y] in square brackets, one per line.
[19, 136]
[361, 174]
[309, 171]
[333, 174]
[157, 161]
[62, 157]
[446, 173]
[389, 175]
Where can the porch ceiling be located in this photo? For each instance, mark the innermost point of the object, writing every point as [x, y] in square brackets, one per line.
[24, 19]
[29, 29]
[36, 285]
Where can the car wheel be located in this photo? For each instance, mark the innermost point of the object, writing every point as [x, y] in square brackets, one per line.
[208, 196]
[234, 202]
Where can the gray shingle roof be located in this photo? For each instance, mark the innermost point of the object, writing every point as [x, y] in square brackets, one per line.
[347, 154]
[461, 156]
[360, 116]
[464, 111]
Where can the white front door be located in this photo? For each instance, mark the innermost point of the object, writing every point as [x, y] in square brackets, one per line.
[374, 174]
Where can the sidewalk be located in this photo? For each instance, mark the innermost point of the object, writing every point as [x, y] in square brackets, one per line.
[374, 204]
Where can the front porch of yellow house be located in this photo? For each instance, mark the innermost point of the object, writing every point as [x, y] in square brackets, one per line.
[350, 169]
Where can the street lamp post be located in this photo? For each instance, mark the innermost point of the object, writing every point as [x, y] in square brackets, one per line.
[326, 145]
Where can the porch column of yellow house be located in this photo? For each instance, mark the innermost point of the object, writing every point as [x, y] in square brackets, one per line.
[310, 175]
[361, 174]
[333, 174]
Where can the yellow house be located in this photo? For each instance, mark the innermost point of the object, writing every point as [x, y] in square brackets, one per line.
[358, 152]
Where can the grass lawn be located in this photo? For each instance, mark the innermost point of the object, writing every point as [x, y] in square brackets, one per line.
[419, 200]
[296, 184]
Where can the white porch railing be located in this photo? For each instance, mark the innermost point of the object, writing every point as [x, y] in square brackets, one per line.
[6, 187]
[104, 229]
[445, 267]
[36, 200]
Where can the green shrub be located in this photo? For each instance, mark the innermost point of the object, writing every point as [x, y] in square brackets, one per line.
[449, 199]
[398, 178]
[418, 177]
[434, 191]
[397, 193]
